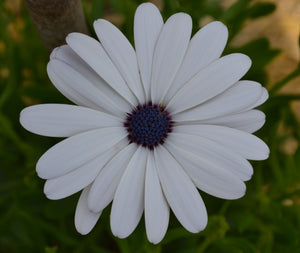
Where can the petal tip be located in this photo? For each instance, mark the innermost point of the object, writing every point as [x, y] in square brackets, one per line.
[186, 16]
[54, 53]
[51, 197]
[70, 36]
[22, 117]
[100, 21]
[50, 193]
[266, 154]
[180, 17]
[83, 232]
[118, 233]
[74, 36]
[92, 206]
[154, 240]
[245, 59]
[223, 28]
[218, 24]
[40, 169]
[242, 192]
[82, 229]
[146, 5]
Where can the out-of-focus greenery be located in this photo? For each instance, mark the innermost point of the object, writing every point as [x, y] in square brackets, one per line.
[266, 219]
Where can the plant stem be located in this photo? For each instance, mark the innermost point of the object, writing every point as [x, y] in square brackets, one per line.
[55, 19]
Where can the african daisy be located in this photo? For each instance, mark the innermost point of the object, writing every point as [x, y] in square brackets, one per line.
[151, 125]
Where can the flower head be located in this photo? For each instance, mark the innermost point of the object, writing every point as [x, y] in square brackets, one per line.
[151, 125]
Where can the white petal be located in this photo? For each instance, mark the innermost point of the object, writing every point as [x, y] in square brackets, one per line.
[234, 99]
[106, 183]
[245, 144]
[76, 180]
[66, 88]
[128, 203]
[58, 120]
[210, 81]
[181, 194]
[207, 176]
[263, 98]
[206, 46]
[156, 207]
[122, 55]
[75, 151]
[85, 220]
[79, 89]
[169, 52]
[147, 26]
[67, 55]
[249, 121]
[91, 51]
[214, 153]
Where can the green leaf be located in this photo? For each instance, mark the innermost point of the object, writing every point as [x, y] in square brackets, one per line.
[235, 16]
[234, 12]
[234, 245]
[261, 9]
[51, 249]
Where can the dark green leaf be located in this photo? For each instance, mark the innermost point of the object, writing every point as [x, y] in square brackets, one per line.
[261, 9]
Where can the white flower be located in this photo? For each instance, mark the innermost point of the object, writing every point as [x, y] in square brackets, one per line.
[151, 126]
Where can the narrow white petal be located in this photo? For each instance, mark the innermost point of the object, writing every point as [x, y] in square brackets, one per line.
[67, 55]
[168, 54]
[106, 183]
[128, 204]
[214, 153]
[263, 98]
[210, 81]
[234, 99]
[157, 210]
[249, 121]
[75, 151]
[85, 220]
[243, 143]
[122, 55]
[58, 120]
[206, 46]
[76, 87]
[65, 87]
[147, 26]
[207, 176]
[91, 51]
[181, 194]
[74, 181]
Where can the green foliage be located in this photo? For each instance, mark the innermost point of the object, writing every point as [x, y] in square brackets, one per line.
[267, 219]
[261, 9]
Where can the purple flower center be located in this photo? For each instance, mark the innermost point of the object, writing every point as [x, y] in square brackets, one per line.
[148, 125]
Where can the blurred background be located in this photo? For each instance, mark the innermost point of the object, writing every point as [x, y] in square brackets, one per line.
[267, 219]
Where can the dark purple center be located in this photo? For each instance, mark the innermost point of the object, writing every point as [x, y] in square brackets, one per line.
[148, 125]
